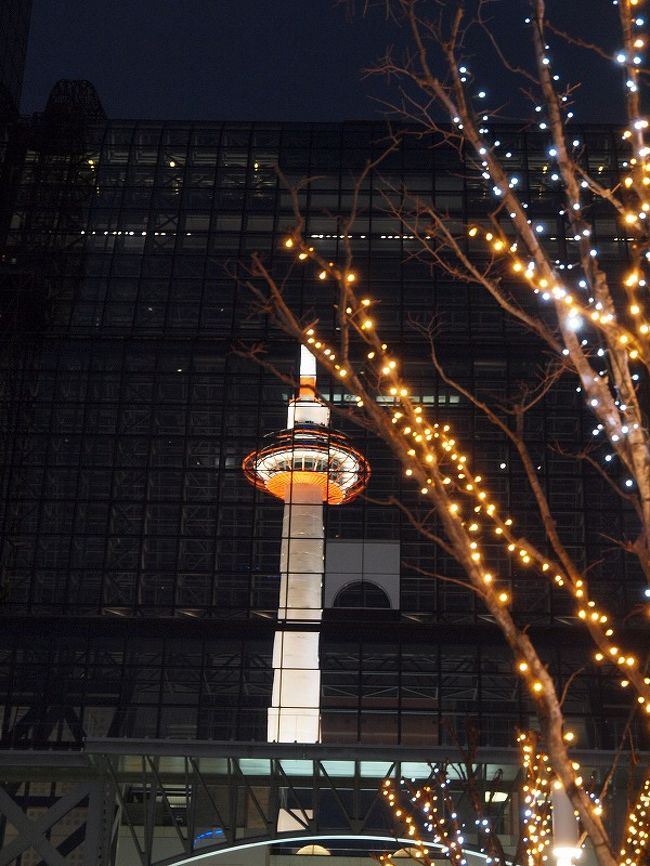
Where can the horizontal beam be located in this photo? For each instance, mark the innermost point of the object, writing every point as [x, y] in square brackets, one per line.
[22, 764]
[72, 759]
[322, 752]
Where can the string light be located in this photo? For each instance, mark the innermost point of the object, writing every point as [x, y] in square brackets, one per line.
[434, 445]
[625, 332]
[637, 830]
[536, 796]
[606, 321]
[429, 811]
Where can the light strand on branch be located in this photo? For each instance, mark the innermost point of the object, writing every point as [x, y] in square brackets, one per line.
[430, 444]
[636, 849]
[536, 795]
[575, 311]
[427, 810]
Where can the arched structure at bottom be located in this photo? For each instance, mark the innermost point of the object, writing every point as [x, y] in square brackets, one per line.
[215, 853]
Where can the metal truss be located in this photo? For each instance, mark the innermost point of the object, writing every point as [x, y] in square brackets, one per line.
[215, 798]
[52, 805]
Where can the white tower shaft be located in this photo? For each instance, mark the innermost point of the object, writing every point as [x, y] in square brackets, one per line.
[294, 715]
[566, 832]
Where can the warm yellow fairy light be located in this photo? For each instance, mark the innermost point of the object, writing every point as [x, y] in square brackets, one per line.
[596, 618]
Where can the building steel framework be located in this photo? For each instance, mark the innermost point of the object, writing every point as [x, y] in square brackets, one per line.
[217, 796]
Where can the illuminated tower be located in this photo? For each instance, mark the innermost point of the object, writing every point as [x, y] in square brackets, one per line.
[305, 466]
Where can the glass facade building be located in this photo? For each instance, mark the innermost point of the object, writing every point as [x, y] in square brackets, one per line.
[131, 542]
[138, 569]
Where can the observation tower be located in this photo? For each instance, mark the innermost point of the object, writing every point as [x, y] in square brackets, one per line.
[306, 466]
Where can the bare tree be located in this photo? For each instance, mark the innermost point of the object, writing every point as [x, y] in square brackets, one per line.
[591, 321]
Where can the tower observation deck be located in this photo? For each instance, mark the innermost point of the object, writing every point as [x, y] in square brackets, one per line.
[306, 466]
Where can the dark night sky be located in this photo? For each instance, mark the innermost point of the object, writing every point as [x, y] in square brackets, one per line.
[251, 59]
[219, 59]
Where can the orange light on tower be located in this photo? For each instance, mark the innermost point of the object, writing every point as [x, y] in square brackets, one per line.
[307, 455]
[306, 466]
